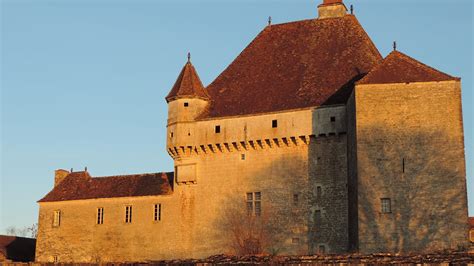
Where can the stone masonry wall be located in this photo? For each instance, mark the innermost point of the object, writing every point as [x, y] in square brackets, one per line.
[410, 149]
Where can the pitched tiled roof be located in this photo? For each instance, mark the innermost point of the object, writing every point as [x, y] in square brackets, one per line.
[400, 68]
[80, 185]
[188, 84]
[294, 65]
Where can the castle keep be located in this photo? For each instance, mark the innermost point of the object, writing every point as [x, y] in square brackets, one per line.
[310, 132]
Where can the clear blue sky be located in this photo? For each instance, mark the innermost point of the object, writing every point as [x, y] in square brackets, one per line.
[83, 81]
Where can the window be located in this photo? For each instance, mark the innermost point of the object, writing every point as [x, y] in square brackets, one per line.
[171, 134]
[218, 129]
[100, 215]
[319, 192]
[295, 240]
[128, 214]
[56, 218]
[254, 203]
[317, 216]
[403, 165]
[295, 199]
[386, 205]
[333, 119]
[242, 157]
[55, 259]
[274, 123]
[322, 249]
[157, 212]
[186, 104]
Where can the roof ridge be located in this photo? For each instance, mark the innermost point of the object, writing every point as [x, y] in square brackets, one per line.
[125, 175]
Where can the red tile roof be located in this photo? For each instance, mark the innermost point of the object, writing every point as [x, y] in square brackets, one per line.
[400, 68]
[294, 65]
[80, 185]
[188, 84]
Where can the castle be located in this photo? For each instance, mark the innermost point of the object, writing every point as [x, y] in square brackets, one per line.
[309, 142]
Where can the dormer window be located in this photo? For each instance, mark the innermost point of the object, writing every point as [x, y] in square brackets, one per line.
[186, 104]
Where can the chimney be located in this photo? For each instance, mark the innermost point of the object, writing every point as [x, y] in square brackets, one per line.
[331, 9]
[59, 176]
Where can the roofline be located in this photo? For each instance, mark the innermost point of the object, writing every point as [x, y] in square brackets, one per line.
[455, 79]
[172, 98]
[108, 198]
[270, 113]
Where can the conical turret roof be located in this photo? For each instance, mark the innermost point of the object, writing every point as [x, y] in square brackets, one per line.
[188, 84]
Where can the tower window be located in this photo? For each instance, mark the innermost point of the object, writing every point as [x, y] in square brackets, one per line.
[317, 217]
[100, 215]
[218, 129]
[274, 123]
[242, 157]
[56, 218]
[186, 104]
[295, 199]
[157, 212]
[322, 249]
[128, 214]
[254, 203]
[333, 119]
[319, 192]
[386, 205]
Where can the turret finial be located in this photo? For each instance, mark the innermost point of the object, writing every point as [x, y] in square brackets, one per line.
[394, 45]
[189, 57]
[352, 10]
[269, 21]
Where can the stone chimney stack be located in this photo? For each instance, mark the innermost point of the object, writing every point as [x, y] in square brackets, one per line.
[331, 9]
[59, 176]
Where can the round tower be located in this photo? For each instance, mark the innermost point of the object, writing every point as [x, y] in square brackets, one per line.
[186, 101]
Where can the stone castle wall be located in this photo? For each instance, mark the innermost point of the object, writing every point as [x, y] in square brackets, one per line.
[410, 149]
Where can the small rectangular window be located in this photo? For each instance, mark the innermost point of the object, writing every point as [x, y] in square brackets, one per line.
[218, 129]
[57, 218]
[274, 123]
[100, 215]
[386, 205]
[55, 259]
[333, 119]
[171, 134]
[242, 157]
[128, 214]
[186, 104]
[403, 165]
[295, 199]
[322, 249]
[157, 212]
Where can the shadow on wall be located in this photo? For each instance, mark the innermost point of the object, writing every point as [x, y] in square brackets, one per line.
[268, 213]
[423, 175]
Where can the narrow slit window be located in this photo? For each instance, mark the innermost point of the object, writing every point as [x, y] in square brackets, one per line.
[242, 157]
[274, 123]
[386, 205]
[319, 192]
[218, 129]
[157, 212]
[317, 217]
[128, 214]
[100, 215]
[403, 165]
[57, 218]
